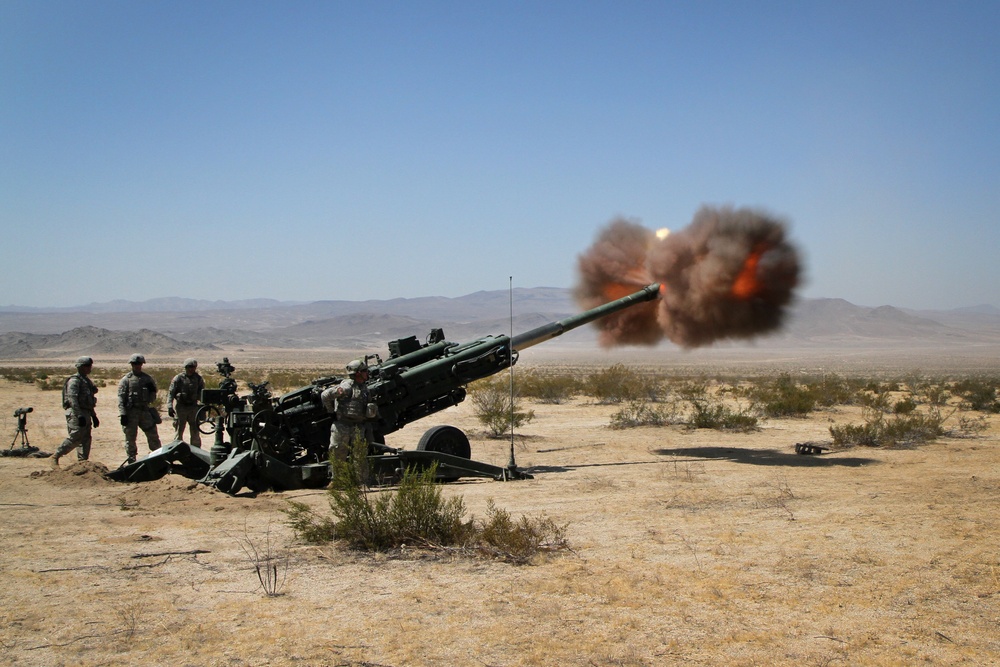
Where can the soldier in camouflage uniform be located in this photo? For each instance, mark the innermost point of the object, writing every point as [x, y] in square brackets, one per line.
[186, 389]
[136, 392]
[79, 400]
[349, 401]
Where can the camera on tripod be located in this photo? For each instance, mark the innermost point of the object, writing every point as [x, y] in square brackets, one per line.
[22, 427]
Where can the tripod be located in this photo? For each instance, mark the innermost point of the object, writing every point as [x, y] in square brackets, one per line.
[22, 429]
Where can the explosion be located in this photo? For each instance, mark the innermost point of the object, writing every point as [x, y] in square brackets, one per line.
[729, 274]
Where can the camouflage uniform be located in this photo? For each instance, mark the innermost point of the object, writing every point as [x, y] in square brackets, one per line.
[135, 393]
[349, 401]
[186, 390]
[79, 401]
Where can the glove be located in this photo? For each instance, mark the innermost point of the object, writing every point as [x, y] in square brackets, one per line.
[124, 420]
[170, 412]
[82, 421]
[93, 417]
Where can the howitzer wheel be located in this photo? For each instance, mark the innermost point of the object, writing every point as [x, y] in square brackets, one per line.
[267, 434]
[210, 416]
[264, 425]
[447, 440]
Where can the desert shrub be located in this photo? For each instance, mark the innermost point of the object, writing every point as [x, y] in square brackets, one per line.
[309, 526]
[880, 431]
[502, 538]
[782, 397]
[835, 390]
[48, 383]
[693, 390]
[915, 427]
[978, 394]
[868, 434]
[372, 520]
[932, 393]
[904, 406]
[26, 375]
[619, 383]
[970, 427]
[642, 413]
[287, 379]
[495, 408]
[876, 401]
[548, 388]
[416, 514]
[719, 416]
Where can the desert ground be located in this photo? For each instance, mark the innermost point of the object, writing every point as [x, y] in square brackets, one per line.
[686, 547]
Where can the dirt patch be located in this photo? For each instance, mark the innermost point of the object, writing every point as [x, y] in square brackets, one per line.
[82, 474]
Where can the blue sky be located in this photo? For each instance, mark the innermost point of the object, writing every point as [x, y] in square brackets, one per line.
[368, 150]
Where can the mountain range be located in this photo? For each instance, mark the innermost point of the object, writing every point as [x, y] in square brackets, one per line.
[175, 325]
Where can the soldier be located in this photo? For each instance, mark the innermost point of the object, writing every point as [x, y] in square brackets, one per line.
[136, 392]
[349, 401]
[186, 389]
[79, 398]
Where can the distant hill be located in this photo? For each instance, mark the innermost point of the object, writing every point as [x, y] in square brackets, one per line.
[91, 341]
[168, 326]
[835, 318]
[161, 305]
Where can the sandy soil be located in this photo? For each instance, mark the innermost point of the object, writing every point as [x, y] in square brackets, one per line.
[688, 547]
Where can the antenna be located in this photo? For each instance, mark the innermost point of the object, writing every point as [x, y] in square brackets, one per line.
[511, 464]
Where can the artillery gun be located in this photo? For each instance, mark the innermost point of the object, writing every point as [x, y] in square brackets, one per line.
[281, 442]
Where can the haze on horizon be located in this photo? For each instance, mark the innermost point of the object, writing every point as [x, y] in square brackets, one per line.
[309, 151]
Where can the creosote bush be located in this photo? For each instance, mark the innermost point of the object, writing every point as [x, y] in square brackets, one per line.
[642, 413]
[502, 538]
[553, 389]
[619, 383]
[832, 389]
[782, 397]
[416, 514]
[370, 520]
[719, 416]
[878, 430]
[970, 427]
[978, 394]
[491, 401]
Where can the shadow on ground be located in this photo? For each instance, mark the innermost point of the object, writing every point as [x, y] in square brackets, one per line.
[766, 457]
[760, 457]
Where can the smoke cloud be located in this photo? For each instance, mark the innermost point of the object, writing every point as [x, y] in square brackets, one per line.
[730, 274]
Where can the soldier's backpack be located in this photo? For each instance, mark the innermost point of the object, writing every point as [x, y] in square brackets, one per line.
[65, 399]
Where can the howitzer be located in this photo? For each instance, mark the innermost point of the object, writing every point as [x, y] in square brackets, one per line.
[417, 381]
[281, 442]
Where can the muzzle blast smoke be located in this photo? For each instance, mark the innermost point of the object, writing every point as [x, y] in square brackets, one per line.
[731, 273]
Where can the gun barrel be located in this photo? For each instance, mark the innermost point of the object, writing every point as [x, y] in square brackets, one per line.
[553, 329]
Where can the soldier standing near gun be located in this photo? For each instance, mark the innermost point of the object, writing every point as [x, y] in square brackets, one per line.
[349, 402]
[135, 393]
[79, 399]
[186, 389]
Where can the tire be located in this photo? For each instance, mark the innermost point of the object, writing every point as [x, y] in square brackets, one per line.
[447, 440]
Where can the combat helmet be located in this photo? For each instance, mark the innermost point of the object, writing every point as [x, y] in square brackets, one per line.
[84, 361]
[356, 366]
[137, 359]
